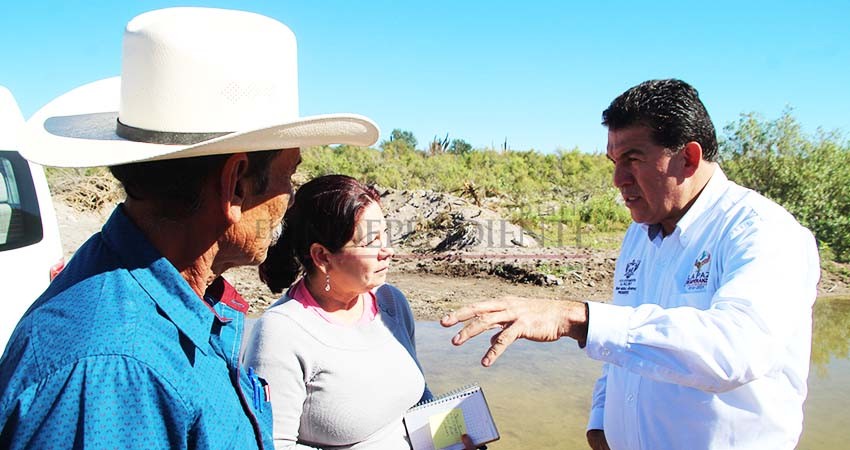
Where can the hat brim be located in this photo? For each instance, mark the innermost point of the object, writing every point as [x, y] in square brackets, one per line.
[77, 129]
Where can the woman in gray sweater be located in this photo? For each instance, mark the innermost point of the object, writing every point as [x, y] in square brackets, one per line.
[337, 350]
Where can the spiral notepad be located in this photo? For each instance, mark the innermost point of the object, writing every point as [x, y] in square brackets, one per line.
[438, 424]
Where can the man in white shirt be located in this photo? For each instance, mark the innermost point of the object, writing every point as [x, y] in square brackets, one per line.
[706, 343]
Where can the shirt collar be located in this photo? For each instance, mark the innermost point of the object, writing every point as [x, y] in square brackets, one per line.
[706, 200]
[222, 293]
[652, 230]
[159, 278]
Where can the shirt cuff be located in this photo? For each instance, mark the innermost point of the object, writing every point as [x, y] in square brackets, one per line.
[607, 332]
[595, 421]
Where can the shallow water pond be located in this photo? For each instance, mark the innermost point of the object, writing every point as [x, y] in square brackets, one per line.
[540, 393]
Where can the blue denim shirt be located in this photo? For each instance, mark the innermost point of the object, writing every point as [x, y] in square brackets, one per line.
[119, 352]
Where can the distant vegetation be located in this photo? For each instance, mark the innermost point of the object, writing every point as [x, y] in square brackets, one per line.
[563, 198]
[808, 175]
[566, 197]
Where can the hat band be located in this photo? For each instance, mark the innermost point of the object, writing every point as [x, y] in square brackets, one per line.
[162, 137]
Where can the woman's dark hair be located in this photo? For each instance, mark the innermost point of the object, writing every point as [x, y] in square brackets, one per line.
[324, 211]
[673, 111]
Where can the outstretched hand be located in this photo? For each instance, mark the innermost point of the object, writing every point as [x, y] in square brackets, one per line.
[535, 320]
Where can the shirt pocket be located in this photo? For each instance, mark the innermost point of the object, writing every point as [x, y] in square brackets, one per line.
[264, 414]
[257, 394]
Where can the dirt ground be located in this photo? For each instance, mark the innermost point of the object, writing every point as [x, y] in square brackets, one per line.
[435, 283]
[449, 252]
[435, 286]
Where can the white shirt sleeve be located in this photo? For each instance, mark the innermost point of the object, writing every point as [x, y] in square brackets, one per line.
[768, 283]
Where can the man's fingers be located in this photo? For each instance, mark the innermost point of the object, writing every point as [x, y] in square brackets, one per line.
[482, 323]
[471, 329]
[471, 311]
[449, 319]
[500, 342]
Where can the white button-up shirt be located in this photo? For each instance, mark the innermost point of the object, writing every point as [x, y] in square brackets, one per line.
[708, 338]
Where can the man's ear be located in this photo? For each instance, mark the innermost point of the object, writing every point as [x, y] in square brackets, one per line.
[234, 186]
[692, 157]
[320, 256]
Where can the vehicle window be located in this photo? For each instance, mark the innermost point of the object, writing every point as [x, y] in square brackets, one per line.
[20, 218]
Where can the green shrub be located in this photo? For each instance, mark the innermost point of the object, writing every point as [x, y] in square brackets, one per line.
[544, 193]
[807, 175]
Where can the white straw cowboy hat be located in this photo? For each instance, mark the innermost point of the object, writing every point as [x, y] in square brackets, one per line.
[194, 82]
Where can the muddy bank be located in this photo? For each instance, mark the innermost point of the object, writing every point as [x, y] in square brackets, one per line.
[435, 284]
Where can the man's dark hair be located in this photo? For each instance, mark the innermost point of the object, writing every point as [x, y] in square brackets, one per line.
[175, 184]
[671, 109]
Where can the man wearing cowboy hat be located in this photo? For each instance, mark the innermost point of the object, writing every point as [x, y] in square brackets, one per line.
[136, 343]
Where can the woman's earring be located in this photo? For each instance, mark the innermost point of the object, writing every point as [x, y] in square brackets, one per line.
[327, 282]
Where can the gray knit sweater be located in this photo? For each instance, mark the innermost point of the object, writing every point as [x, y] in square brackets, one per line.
[340, 387]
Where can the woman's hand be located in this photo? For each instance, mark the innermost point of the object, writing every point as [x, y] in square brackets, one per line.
[468, 445]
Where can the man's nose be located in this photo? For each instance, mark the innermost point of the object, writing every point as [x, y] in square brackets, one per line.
[622, 176]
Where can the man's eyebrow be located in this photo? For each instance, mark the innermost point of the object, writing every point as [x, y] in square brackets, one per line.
[627, 153]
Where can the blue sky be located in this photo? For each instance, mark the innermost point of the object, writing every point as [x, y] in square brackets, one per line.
[537, 73]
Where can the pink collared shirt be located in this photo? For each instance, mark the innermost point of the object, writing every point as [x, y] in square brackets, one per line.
[300, 293]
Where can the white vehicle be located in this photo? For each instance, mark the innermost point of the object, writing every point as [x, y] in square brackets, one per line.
[30, 250]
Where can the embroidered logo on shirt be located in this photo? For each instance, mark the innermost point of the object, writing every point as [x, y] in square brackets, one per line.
[627, 284]
[631, 267]
[698, 279]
